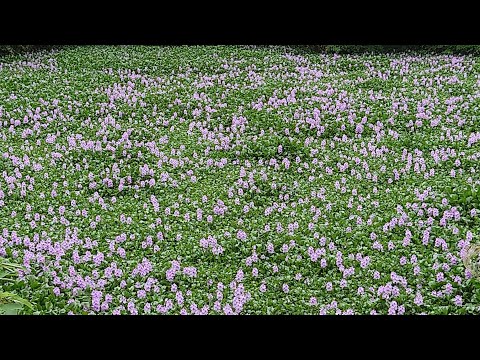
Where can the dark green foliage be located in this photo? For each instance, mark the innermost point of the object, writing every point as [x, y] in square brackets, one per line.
[339, 49]
[358, 49]
[20, 49]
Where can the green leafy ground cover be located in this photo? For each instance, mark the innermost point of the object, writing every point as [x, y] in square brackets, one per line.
[239, 180]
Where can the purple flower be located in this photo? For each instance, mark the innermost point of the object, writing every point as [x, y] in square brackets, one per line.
[241, 235]
[179, 298]
[418, 299]
[440, 276]
[190, 271]
[365, 262]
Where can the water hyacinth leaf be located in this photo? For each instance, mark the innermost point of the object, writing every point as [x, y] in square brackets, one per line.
[5, 296]
[10, 309]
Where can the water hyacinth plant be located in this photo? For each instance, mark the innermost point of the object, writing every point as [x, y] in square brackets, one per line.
[240, 180]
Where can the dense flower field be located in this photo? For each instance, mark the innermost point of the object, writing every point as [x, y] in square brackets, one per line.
[240, 180]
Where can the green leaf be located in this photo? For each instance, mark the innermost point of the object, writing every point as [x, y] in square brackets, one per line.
[11, 308]
[15, 298]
